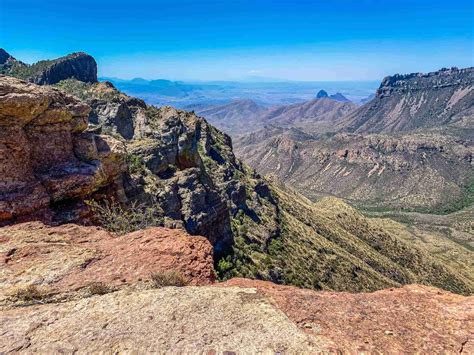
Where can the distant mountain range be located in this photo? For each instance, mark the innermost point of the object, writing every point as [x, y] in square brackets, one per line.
[243, 116]
[186, 94]
[407, 102]
[410, 147]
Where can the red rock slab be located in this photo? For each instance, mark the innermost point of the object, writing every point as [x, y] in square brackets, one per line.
[69, 257]
[410, 319]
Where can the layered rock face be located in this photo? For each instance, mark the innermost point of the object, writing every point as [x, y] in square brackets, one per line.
[46, 159]
[407, 102]
[413, 171]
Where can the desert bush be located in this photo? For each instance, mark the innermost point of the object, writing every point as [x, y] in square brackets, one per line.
[98, 288]
[121, 219]
[135, 164]
[30, 293]
[169, 278]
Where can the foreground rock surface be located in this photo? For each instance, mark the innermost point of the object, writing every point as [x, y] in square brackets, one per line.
[170, 320]
[64, 261]
[245, 316]
[411, 319]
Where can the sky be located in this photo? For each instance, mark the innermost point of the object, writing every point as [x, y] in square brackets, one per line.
[243, 40]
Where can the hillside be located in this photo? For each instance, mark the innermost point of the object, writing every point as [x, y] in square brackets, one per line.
[235, 117]
[246, 116]
[314, 116]
[80, 66]
[425, 171]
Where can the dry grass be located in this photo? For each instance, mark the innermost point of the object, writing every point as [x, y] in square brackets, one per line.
[98, 288]
[30, 293]
[124, 219]
[169, 278]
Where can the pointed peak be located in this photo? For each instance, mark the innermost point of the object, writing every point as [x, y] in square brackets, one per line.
[339, 97]
[321, 94]
[5, 56]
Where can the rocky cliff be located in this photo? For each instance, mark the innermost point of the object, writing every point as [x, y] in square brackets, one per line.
[80, 66]
[49, 165]
[408, 102]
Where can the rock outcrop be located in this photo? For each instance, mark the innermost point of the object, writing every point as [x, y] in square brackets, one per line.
[75, 288]
[80, 66]
[244, 316]
[321, 94]
[64, 261]
[46, 158]
[339, 97]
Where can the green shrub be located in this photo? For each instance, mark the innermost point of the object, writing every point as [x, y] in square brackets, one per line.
[135, 164]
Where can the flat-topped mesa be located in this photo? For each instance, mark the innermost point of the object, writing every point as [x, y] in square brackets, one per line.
[421, 81]
[80, 66]
[45, 157]
[413, 101]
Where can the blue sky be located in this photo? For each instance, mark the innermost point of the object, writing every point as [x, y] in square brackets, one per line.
[228, 40]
